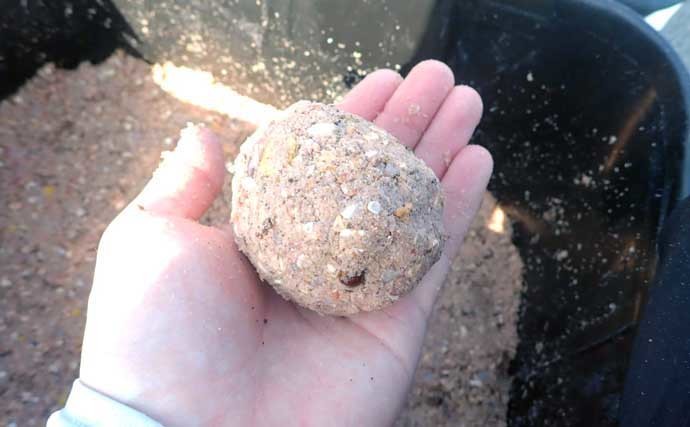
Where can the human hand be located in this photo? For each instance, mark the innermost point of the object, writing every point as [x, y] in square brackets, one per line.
[180, 327]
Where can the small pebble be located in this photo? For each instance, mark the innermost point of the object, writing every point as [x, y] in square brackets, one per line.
[346, 189]
[374, 207]
[403, 212]
[476, 382]
[230, 167]
[349, 211]
[561, 255]
[372, 136]
[48, 191]
[321, 130]
[390, 170]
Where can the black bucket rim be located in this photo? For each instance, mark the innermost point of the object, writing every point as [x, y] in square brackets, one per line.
[624, 15]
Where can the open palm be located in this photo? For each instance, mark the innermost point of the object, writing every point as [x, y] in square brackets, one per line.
[180, 327]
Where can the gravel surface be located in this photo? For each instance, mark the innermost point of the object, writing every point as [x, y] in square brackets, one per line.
[76, 146]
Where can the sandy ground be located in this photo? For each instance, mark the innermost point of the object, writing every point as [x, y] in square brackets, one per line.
[462, 378]
[75, 146]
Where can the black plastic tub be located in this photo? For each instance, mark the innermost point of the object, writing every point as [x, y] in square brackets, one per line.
[586, 113]
[587, 117]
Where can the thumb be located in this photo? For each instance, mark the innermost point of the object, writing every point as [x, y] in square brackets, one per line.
[189, 178]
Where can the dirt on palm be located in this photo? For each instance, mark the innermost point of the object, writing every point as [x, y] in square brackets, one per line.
[76, 146]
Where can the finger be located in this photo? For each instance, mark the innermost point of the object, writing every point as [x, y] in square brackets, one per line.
[415, 103]
[188, 179]
[368, 98]
[463, 185]
[451, 129]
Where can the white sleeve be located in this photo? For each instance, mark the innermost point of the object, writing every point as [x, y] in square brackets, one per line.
[88, 408]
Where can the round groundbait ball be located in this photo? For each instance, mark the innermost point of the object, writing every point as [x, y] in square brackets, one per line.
[333, 212]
